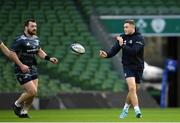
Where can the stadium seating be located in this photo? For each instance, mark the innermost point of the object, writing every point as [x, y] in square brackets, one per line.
[130, 7]
[60, 23]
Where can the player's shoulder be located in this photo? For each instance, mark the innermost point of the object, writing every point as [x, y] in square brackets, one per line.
[24, 37]
[139, 36]
[20, 38]
[35, 37]
[140, 39]
[122, 35]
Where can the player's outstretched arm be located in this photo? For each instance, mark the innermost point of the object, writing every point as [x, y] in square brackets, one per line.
[112, 52]
[43, 55]
[4, 49]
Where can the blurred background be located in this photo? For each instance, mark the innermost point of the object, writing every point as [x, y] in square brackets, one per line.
[87, 81]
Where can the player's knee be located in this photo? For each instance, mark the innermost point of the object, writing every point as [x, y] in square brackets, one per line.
[132, 89]
[32, 92]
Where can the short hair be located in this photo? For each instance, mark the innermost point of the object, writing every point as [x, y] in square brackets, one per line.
[29, 20]
[130, 21]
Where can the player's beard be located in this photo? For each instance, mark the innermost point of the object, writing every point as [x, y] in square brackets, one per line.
[33, 32]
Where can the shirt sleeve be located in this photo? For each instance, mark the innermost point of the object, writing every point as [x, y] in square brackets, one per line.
[137, 46]
[16, 46]
[39, 42]
[114, 50]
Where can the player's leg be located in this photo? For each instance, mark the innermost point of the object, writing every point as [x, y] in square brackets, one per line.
[133, 95]
[128, 100]
[23, 79]
[128, 73]
[126, 107]
[30, 91]
[28, 102]
[138, 80]
[127, 104]
[137, 109]
[132, 90]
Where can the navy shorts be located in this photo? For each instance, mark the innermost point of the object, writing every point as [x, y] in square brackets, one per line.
[26, 77]
[128, 72]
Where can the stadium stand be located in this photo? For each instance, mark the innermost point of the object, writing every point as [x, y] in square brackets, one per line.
[130, 7]
[60, 23]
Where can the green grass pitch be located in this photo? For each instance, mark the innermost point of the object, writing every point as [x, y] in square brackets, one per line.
[93, 115]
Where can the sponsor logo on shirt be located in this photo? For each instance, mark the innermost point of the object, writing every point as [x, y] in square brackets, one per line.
[130, 41]
[32, 50]
[139, 42]
[28, 44]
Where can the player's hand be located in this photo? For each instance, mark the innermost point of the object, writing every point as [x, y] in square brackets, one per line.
[120, 40]
[53, 60]
[102, 54]
[24, 68]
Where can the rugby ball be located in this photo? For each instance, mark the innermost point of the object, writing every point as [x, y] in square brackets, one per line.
[77, 48]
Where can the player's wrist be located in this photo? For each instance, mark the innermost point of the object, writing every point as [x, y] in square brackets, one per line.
[123, 45]
[47, 58]
[21, 65]
[107, 55]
